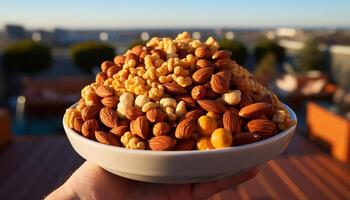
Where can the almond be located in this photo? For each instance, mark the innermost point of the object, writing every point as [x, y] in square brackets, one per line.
[124, 122]
[108, 117]
[225, 74]
[161, 143]
[262, 127]
[211, 105]
[110, 102]
[112, 70]
[232, 122]
[203, 52]
[119, 130]
[185, 145]
[198, 92]
[133, 112]
[104, 91]
[232, 109]
[90, 112]
[245, 138]
[195, 114]
[185, 128]
[203, 63]
[221, 54]
[174, 88]
[137, 50]
[101, 77]
[119, 60]
[223, 63]
[219, 84]
[78, 123]
[89, 127]
[246, 99]
[106, 138]
[268, 99]
[190, 102]
[156, 115]
[140, 127]
[254, 110]
[211, 94]
[161, 128]
[106, 65]
[203, 75]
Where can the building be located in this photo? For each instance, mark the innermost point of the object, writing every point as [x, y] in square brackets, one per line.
[15, 32]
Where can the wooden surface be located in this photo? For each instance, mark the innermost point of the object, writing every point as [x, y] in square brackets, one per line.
[31, 167]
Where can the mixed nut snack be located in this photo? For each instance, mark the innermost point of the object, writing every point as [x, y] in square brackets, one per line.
[176, 94]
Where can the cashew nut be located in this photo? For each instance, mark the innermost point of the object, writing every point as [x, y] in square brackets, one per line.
[121, 109]
[170, 113]
[148, 106]
[172, 117]
[127, 98]
[168, 102]
[180, 110]
[169, 110]
[232, 97]
[141, 100]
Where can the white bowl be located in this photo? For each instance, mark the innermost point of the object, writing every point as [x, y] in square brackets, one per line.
[180, 166]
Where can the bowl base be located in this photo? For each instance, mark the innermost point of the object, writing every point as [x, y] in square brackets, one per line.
[170, 179]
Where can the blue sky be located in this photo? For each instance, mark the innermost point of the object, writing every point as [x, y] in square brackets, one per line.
[183, 13]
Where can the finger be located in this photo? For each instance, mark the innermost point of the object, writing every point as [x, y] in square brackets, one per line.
[205, 190]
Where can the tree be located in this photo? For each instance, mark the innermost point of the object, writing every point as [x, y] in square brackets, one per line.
[137, 42]
[27, 57]
[238, 49]
[265, 71]
[87, 55]
[266, 46]
[311, 58]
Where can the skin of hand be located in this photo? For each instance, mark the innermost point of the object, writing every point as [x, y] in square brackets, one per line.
[92, 182]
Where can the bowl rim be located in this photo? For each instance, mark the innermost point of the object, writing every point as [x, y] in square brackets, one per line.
[106, 147]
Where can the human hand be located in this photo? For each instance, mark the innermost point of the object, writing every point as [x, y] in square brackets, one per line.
[92, 182]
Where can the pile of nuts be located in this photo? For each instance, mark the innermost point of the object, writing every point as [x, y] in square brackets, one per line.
[176, 94]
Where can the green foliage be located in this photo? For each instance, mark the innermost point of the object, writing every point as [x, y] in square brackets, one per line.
[265, 70]
[27, 57]
[311, 58]
[136, 42]
[238, 49]
[87, 55]
[265, 46]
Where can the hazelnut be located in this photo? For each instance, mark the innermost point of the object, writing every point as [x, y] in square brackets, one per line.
[198, 92]
[161, 128]
[156, 115]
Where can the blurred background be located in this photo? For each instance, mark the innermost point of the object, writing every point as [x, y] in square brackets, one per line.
[300, 49]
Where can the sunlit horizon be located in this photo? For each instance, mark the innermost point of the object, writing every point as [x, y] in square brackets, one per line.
[181, 14]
